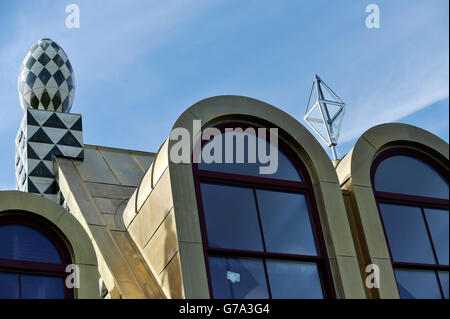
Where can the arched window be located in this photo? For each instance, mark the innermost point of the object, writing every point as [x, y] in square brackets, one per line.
[413, 200]
[261, 233]
[33, 260]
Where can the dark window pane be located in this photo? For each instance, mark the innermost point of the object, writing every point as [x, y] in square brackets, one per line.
[286, 170]
[407, 234]
[407, 175]
[231, 218]
[438, 223]
[286, 224]
[443, 278]
[42, 287]
[9, 286]
[20, 242]
[238, 278]
[417, 284]
[294, 280]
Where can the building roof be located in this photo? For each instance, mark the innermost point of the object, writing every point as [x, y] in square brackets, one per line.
[96, 190]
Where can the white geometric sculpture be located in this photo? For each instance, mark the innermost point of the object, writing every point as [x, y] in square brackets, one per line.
[324, 113]
[46, 80]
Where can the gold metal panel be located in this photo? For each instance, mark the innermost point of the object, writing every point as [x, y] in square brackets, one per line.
[336, 226]
[185, 203]
[163, 245]
[343, 169]
[107, 205]
[78, 199]
[153, 212]
[193, 270]
[94, 169]
[145, 278]
[109, 191]
[350, 284]
[124, 167]
[144, 160]
[388, 285]
[130, 211]
[371, 222]
[144, 189]
[361, 162]
[171, 279]
[88, 277]
[161, 162]
[121, 271]
[79, 240]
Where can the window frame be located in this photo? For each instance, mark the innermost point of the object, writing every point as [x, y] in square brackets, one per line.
[304, 187]
[421, 202]
[25, 267]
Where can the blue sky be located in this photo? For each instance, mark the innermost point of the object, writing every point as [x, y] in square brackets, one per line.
[139, 64]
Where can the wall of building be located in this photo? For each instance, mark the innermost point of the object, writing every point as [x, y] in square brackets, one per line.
[354, 176]
[162, 216]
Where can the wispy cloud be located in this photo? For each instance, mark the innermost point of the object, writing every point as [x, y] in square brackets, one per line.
[398, 94]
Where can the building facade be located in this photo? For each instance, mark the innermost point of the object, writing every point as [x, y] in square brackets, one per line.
[132, 224]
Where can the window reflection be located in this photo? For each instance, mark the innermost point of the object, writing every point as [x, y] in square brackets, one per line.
[286, 170]
[410, 192]
[294, 280]
[42, 287]
[417, 284]
[238, 278]
[20, 242]
[407, 233]
[32, 260]
[403, 174]
[257, 230]
[285, 222]
[443, 278]
[438, 223]
[231, 217]
[9, 286]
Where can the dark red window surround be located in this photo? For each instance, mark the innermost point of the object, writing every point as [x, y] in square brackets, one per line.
[411, 200]
[33, 267]
[305, 187]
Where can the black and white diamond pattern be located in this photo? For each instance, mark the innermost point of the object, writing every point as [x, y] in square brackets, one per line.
[46, 80]
[43, 134]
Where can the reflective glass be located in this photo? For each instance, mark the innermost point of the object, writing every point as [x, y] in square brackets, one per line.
[231, 217]
[294, 280]
[21, 242]
[438, 224]
[42, 287]
[407, 233]
[286, 224]
[9, 286]
[408, 175]
[238, 278]
[417, 284]
[285, 169]
[443, 278]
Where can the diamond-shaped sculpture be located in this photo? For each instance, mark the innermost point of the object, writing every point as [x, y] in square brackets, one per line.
[46, 80]
[324, 112]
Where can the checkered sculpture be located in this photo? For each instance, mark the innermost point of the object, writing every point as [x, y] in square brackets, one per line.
[46, 80]
[46, 92]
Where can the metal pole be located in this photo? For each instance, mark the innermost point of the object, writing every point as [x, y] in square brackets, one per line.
[333, 151]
